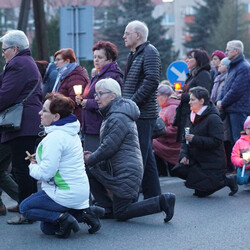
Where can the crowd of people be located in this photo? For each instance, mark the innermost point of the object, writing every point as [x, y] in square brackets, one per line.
[92, 149]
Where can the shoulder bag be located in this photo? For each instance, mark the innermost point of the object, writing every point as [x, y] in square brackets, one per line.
[11, 118]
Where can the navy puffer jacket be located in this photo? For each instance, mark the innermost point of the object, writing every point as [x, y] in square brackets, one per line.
[235, 94]
[117, 163]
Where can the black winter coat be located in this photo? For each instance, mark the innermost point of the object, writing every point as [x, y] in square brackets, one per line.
[200, 78]
[117, 163]
[205, 152]
[141, 79]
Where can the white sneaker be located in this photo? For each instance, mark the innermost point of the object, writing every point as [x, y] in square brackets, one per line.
[246, 187]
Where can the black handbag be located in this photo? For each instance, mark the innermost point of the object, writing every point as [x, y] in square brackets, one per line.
[11, 118]
[159, 129]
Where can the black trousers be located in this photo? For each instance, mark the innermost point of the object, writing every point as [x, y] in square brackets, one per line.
[150, 182]
[26, 184]
[203, 184]
[123, 209]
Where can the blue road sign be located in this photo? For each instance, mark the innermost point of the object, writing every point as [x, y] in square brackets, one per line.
[177, 72]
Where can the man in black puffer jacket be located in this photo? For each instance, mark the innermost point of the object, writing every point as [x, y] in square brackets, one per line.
[115, 169]
[141, 79]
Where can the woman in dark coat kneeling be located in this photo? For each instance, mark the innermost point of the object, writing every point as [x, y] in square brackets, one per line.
[202, 157]
[115, 169]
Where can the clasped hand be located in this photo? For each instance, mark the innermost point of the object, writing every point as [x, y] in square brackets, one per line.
[86, 155]
[80, 101]
[189, 137]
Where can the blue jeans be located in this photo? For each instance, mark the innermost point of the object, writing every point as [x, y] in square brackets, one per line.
[150, 182]
[245, 179]
[237, 124]
[40, 207]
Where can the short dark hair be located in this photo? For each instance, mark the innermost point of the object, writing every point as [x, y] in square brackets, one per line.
[66, 54]
[201, 56]
[110, 49]
[199, 93]
[60, 104]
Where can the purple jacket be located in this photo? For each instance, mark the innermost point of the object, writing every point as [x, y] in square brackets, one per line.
[17, 80]
[92, 120]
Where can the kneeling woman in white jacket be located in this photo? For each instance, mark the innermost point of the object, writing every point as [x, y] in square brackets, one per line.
[60, 166]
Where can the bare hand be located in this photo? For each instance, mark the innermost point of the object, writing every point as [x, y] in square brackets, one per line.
[84, 101]
[219, 105]
[184, 161]
[189, 137]
[78, 100]
[86, 155]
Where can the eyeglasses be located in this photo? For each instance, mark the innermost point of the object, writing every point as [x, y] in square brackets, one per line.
[128, 33]
[100, 94]
[4, 49]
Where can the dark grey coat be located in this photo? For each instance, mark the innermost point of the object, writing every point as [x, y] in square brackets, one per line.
[117, 163]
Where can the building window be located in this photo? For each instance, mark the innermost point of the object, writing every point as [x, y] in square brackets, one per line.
[190, 11]
[247, 7]
[168, 19]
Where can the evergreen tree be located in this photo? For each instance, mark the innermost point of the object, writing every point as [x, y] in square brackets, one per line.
[205, 18]
[53, 35]
[117, 16]
[232, 24]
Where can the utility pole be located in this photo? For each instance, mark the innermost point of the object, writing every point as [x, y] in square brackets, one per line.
[23, 15]
[41, 30]
[236, 20]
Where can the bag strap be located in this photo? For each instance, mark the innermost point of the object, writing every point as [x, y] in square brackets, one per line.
[31, 92]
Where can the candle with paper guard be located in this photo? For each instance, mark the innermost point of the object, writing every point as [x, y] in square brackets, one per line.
[246, 157]
[187, 129]
[78, 90]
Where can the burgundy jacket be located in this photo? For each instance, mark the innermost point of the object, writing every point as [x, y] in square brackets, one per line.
[92, 120]
[79, 76]
[17, 80]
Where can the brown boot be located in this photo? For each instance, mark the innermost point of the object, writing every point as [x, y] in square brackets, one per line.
[14, 209]
[3, 210]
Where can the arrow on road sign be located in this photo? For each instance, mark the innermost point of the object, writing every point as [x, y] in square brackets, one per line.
[181, 75]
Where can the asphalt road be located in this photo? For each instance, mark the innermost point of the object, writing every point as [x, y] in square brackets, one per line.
[217, 222]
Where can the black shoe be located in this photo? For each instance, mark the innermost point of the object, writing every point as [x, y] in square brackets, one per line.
[232, 184]
[167, 202]
[66, 223]
[91, 216]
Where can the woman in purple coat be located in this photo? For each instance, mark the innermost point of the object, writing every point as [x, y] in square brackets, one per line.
[105, 54]
[19, 77]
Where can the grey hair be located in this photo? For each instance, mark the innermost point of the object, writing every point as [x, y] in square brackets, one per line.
[109, 84]
[140, 27]
[15, 38]
[165, 90]
[237, 44]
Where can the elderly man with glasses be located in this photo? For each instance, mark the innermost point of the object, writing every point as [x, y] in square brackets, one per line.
[141, 79]
[235, 95]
